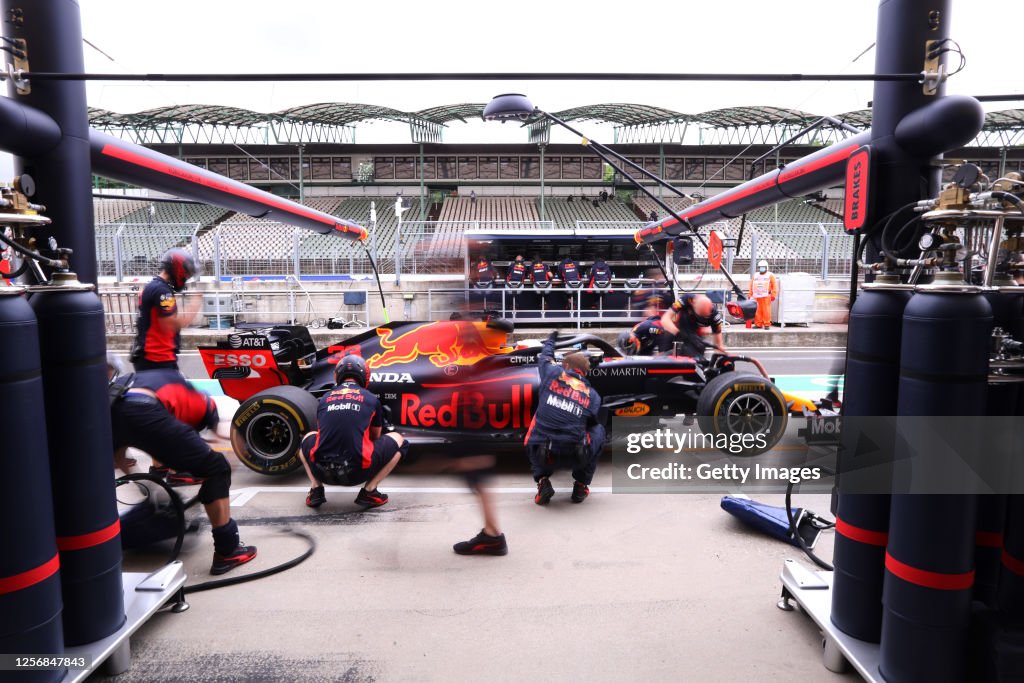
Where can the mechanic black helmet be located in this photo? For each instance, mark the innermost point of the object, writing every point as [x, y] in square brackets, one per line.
[352, 367]
[180, 266]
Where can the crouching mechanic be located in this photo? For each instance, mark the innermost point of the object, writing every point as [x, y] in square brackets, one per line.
[565, 432]
[348, 448]
[158, 412]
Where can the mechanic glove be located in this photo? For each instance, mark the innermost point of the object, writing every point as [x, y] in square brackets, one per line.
[553, 336]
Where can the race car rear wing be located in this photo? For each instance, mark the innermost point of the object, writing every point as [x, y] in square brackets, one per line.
[250, 362]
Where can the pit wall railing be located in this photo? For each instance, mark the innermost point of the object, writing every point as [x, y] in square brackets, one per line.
[243, 303]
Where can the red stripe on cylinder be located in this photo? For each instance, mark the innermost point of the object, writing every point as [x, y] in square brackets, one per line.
[988, 539]
[927, 579]
[855, 533]
[13, 584]
[1012, 563]
[65, 543]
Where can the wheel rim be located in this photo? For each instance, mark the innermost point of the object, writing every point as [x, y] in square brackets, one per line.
[269, 436]
[749, 414]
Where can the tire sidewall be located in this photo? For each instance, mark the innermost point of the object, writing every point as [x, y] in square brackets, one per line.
[280, 404]
[724, 390]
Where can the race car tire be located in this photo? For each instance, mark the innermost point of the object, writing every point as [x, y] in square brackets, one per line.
[268, 427]
[740, 403]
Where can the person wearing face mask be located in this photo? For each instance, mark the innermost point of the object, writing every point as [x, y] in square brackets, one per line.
[763, 289]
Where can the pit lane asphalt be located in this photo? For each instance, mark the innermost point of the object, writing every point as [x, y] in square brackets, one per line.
[621, 587]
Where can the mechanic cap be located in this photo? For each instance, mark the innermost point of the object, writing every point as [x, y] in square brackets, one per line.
[352, 367]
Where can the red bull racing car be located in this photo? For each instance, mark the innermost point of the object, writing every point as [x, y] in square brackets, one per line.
[460, 386]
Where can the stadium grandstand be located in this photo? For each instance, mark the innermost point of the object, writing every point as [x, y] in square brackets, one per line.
[421, 198]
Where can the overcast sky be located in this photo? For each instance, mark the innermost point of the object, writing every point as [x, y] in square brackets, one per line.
[792, 36]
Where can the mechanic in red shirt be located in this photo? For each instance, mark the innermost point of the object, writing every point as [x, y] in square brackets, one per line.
[158, 412]
[348, 447]
[159, 323]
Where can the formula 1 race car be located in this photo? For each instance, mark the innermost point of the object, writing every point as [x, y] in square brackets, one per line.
[459, 386]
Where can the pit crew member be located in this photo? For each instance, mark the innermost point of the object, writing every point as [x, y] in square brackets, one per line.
[160, 321]
[565, 431]
[158, 413]
[689, 319]
[348, 447]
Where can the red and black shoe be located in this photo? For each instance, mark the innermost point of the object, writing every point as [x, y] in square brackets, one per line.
[183, 479]
[483, 544]
[545, 491]
[237, 557]
[371, 499]
[316, 497]
[580, 491]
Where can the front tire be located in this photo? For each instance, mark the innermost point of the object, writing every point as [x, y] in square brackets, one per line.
[268, 427]
[743, 404]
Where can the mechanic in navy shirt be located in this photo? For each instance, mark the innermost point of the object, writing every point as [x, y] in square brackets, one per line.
[516, 275]
[158, 412]
[348, 448]
[600, 275]
[484, 273]
[688, 318]
[565, 431]
[159, 323]
[539, 273]
[569, 271]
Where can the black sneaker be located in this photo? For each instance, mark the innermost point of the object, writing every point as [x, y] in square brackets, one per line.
[545, 491]
[316, 497]
[237, 557]
[482, 544]
[159, 472]
[371, 499]
[580, 491]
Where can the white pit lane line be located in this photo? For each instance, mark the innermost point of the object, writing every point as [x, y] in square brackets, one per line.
[242, 496]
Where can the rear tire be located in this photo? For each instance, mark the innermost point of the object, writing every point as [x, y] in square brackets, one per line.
[268, 427]
[735, 403]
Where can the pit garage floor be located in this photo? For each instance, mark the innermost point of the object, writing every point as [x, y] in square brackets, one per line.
[621, 587]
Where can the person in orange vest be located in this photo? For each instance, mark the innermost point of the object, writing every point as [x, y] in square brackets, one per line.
[763, 289]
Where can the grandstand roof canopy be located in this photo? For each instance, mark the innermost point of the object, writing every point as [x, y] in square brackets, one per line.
[336, 115]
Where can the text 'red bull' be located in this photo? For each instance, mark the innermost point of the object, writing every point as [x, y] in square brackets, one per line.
[574, 390]
[470, 410]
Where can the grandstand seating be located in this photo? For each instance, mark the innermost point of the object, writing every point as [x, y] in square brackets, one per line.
[565, 214]
[644, 205]
[489, 209]
[106, 211]
[788, 235]
[165, 212]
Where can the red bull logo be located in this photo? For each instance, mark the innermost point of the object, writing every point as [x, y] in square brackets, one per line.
[470, 409]
[575, 383]
[444, 343]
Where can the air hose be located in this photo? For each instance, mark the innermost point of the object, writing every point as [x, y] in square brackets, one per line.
[179, 509]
